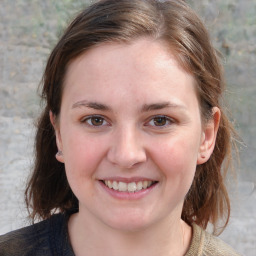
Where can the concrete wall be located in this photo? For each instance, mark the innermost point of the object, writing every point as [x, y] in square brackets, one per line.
[29, 29]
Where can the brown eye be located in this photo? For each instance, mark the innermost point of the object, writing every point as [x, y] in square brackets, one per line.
[95, 121]
[160, 121]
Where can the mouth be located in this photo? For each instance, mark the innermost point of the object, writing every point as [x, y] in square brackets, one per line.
[131, 187]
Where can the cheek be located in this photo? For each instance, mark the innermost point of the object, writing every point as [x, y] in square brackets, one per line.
[82, 154]
[177, 158]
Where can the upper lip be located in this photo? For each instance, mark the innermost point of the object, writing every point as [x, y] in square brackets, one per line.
[128, 180]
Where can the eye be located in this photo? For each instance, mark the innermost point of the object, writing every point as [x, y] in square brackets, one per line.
[160, 121]
[95, 121]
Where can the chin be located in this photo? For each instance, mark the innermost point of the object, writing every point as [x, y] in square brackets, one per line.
[129, 221]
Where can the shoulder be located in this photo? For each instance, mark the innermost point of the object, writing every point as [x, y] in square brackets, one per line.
[205, 244]
[32, 240]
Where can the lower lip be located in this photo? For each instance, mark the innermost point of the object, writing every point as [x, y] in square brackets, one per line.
[128, 195]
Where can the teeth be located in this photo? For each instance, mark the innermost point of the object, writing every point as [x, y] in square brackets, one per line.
[109, 184]
[132, 187]
[144, 184]
[139, 185]
[115, 185]
[122, 186]
[128, 187]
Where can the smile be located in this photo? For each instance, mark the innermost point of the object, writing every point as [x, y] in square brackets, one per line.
[131, 187]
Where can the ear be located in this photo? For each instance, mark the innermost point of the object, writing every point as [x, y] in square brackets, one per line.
[54, 122]
[208, 138]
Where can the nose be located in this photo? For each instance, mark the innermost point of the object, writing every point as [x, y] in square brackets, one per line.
[126, 149]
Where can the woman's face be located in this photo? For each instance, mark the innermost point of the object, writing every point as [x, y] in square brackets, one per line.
[131, 134]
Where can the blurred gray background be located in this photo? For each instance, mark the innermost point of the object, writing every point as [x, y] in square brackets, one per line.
[28, 31]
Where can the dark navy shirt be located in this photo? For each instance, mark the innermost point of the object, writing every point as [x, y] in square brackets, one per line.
[46, 238]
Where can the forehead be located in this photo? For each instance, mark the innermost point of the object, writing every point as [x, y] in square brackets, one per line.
[144, 54]
[143, 67]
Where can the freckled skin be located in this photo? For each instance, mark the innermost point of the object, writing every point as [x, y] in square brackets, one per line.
[125, 77]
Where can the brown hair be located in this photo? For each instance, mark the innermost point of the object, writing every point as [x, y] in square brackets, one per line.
[172, 22]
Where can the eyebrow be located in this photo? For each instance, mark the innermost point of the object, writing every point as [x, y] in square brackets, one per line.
[159, 106]
[93, 105]
[145, 107]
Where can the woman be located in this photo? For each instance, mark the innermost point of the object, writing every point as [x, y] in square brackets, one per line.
[131, 143]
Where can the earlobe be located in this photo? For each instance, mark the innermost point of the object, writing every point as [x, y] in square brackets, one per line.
[59, 154]
[208, 137]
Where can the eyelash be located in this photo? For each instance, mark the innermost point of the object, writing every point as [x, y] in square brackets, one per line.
[167, 121]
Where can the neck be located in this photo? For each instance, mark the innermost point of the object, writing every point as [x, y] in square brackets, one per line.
[167, 237]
